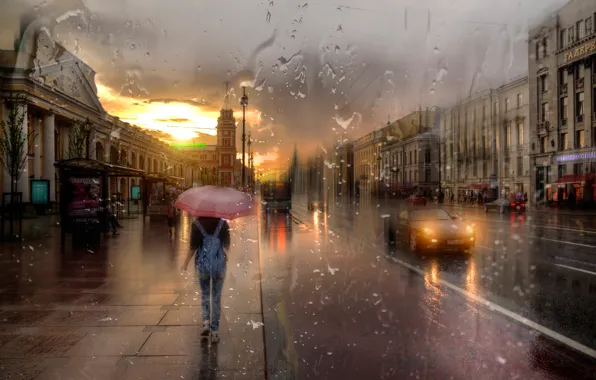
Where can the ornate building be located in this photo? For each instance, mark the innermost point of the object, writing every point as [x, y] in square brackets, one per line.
[226, 145]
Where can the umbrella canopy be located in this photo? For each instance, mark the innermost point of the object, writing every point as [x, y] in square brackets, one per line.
[213, 201]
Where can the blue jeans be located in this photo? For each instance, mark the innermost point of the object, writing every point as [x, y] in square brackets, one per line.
[211, 287]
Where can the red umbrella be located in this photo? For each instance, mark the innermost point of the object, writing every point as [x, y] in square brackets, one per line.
[217, 202]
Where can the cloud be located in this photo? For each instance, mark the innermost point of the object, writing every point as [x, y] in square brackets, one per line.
[307, 66]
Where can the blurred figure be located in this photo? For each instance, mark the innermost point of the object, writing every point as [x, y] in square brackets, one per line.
[210, 241]
[171, 216]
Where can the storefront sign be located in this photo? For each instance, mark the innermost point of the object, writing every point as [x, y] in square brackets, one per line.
[577, 157]
[40, 191]
[585, 49]
[135, 192]
[84, 205]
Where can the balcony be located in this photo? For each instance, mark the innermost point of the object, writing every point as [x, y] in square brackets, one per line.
[542, 130]
[579, 119]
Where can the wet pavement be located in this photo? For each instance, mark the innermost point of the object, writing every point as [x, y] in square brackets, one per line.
[341, 303]
[337, 302]
[125, 311]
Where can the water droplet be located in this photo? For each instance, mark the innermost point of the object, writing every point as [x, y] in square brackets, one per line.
[339, 28]
[436, 50]
[132, 46]
[268, 17]
[148, 55]
[337, 49]
[305, 6]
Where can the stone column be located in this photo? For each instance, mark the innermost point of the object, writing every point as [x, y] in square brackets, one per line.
[23, 183]
[92, 149]
[49, 154]
[37, 148]
[5, 175]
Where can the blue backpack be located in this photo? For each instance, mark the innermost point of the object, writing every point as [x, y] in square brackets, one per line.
[210, 257]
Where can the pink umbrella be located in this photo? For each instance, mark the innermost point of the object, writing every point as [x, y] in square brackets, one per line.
[217, 202]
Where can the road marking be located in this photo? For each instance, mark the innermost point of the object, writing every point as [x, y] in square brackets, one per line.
[585, 231]
[518, 318]
[547, 239]
[577, 269]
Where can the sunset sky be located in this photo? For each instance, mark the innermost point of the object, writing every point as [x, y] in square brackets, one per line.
[318, 72]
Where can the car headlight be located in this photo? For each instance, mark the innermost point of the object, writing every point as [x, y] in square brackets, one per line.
[427, 231]
[469, 230]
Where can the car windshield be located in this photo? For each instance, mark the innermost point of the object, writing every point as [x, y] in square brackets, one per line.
[417, 216]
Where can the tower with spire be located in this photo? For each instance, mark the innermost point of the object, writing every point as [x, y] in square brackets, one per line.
[226, 141]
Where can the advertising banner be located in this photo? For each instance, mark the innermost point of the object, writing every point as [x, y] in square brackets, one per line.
[84, 206]
[40, 191]
[135, 192]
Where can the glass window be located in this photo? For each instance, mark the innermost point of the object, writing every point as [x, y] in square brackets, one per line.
[543, 144]
[506, 104]
[563, 141]
[520, 100]
[563, 38]
[507, 136]
[564, 108]
[562, 170]
[570, 35]
[588, 26]
[520, 133]
[581, 29]
[563, 76]
[579, 104]
[545, 111]
[579, 139]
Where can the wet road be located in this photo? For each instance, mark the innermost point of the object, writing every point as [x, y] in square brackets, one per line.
[341, 303]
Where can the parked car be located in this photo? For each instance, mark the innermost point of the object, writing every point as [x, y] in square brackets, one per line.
[503, 205]
[433, 229]
[416, 200]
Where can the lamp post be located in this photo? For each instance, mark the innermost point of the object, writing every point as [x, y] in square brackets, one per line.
[249, 159]
[244, 103]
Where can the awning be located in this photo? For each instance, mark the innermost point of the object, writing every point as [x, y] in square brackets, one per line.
[575, 178]
[99, 166]
[477, 186]
[159, 177]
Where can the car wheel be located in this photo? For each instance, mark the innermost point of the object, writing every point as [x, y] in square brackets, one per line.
[412, 242]
[501, 209]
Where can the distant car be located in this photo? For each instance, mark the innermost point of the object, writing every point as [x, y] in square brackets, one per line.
[433, 229]
[503, 205]
[417, 201]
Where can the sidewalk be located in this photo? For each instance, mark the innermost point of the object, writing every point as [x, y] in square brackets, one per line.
[126, 311]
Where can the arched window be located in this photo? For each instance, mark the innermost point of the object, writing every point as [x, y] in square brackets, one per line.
[133, 164]
[99, 151]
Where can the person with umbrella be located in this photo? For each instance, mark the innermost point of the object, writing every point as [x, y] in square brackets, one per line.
[210, 244]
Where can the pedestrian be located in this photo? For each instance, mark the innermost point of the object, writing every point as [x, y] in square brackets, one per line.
[210, 241]
[171, 216]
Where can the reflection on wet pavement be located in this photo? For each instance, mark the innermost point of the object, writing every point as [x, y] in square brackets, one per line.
[337, 307]
[125, 311]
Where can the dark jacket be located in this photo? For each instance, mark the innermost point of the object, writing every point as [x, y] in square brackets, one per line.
[209, 224]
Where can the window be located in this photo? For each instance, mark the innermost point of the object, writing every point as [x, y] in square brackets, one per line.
[581, 29]
[495, 108]
[562, 170]
[542, 86]
[520, 133]
[579, 139]
[570, 35]
[588, 26]
[579, 104]
[410, 160]
[427, 156]
[563, 141]
[545, 112]
[520, 166]
[543, 144]
[508, 136]
[564, 108]
[578, 168]
[563, 38]
[520, 100]
[427, 175]
[226, 141]
[506, 104]
[563, 79]
[225, 160]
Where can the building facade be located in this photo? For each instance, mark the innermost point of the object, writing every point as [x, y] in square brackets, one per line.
[562, 78]
[484, 143]
[61, 92]
[367, 161]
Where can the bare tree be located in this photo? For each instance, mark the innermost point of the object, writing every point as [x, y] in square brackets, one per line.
[14, 140]
[81, 135]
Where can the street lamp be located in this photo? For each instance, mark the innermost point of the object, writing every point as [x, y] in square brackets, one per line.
[249, 161]
[244, 103]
